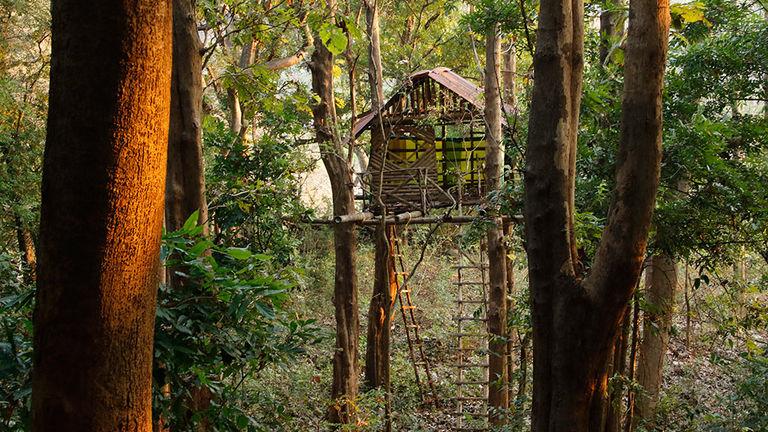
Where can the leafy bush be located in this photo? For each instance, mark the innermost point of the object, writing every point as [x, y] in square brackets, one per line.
[223, 323]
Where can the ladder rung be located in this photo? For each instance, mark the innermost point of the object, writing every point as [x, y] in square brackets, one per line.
[405, 291]
[471, 414]
[413, 326]
[470, 365]
[470, 283]
[408, 307]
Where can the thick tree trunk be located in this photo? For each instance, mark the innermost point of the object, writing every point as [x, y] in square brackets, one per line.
[660, 287]
[380, 311]
[498, 395]
[185, 185]
[576, 318]
[102, 213]
[344, 236]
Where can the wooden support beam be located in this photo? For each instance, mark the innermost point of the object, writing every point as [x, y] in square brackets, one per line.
[354, 217]
[403, 219]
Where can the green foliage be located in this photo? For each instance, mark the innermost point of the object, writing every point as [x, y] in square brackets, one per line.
[15, 345]
[224, 323]
[253, 187]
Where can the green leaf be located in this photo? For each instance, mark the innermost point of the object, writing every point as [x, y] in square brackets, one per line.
[333, 38]
[191, 221]
[239, 253]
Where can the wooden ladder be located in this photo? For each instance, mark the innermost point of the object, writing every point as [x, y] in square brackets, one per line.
[471, 383]
[421, 368]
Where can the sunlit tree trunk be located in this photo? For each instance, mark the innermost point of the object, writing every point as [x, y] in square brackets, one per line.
[498, 395]
[576, 316]
[345, 358]
[102, 213]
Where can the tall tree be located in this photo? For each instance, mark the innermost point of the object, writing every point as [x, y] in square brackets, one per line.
[576, 315]
[332, 151]
[185, 185]
[498, 395]
[382, 299]
[377, 348]
[102, 213]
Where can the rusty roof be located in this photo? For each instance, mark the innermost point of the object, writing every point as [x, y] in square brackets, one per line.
[445, 77]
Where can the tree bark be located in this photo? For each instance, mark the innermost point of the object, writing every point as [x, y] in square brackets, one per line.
[27, 249]
[498, 395]
[576, 318]
[375, 73]
[102, 213]
[508, 72]
[660, 287]
[233, 98]
[513, 339]
[185, 185]
[345, 361]
[380, 311]
[616, 397]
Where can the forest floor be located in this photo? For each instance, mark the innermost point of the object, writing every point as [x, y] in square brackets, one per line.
[700, 380]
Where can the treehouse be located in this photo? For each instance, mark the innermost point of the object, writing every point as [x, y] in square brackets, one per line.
[427, 146]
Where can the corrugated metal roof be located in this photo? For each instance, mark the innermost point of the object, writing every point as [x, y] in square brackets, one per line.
[442, 75]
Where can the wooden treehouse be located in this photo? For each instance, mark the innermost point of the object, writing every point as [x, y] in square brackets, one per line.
[427, 146]
[428, 153]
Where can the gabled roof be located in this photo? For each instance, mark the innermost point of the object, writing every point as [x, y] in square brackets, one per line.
[445, 77]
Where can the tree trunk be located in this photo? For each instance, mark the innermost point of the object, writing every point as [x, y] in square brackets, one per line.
[379, 312]
[611, 29]
[498, 395]
[377, 349]
[233, 99]
[185, 185]
[513, 339]
[27, 249]
[344, 235]
[615, 398]
[375, 73]
[101, 216]
[508, 72]
[660, 286]
[575, 317]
